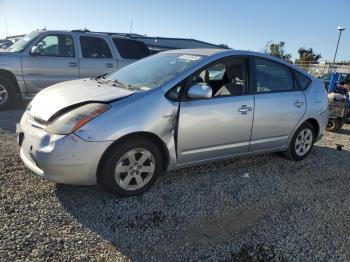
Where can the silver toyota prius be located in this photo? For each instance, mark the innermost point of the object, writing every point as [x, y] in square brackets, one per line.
[167, 111]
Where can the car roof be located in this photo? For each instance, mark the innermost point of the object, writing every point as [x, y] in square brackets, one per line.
[197, 51]
[222, 52]
[215, 51]
[91, 33]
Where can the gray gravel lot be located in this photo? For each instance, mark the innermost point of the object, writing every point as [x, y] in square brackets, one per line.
[262, 208]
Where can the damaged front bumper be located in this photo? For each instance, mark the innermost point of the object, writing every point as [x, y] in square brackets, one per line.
[65, 159]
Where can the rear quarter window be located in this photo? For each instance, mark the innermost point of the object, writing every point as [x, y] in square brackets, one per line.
[303, 80]
[131, 49]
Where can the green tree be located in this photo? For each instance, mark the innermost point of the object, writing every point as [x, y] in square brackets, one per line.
[277, 50]
[308, 55]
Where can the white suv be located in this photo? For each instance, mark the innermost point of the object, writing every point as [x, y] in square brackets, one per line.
[43, 58]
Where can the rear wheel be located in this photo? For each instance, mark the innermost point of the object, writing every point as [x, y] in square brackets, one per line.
[302, 142]
[7, 93]
[131, 167]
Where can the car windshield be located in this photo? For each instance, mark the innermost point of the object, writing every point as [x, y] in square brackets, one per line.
[153, 71]
[21, 44]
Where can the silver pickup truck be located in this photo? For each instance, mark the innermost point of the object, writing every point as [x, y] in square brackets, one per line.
[43, 58]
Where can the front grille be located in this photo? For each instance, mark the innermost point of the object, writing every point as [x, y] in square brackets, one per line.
[41, 121]
[37, 122]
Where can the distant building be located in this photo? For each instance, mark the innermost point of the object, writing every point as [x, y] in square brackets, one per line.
[12, 38]
[158, 44]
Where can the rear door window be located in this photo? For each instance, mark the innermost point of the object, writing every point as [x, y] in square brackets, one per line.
[272, 77]
[131, 49]
[94, 47]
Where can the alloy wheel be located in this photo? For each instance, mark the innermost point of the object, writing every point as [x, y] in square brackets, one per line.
[303, 142]
[134, 169]
[3, 94]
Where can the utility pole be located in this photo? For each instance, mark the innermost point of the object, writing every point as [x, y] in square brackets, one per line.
[130, 26]
[341, 29]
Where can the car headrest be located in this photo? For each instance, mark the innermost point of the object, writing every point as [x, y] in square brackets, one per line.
[234, 71]
[204, 75]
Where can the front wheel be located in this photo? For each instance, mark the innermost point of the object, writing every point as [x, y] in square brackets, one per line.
[7, 93]
[131, 167]
[302, 142]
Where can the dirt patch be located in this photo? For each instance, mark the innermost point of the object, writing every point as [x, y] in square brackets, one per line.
[217, 229]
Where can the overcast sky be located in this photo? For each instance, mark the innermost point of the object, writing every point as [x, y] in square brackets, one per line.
[241, 24]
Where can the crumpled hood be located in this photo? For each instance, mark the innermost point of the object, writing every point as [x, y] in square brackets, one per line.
[57, 97]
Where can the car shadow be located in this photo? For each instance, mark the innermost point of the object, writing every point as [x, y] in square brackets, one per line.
[161, 219]
[19, 104]
[10, 117]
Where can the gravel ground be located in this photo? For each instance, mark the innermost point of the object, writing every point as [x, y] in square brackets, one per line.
[262, 208]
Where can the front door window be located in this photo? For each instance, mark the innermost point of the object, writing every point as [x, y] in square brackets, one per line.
[226, 78]
[57, 45]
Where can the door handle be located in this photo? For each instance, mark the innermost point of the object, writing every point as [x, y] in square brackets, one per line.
[109, 65]
[299, 103]
[244, 109]
[72, 64]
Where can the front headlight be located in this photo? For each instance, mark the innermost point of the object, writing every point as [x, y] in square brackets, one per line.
[72, 120]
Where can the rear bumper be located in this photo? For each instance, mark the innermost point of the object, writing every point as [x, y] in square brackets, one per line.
[323, 122]
[60, 159]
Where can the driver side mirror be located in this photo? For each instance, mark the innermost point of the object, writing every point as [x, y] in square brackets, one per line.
[35, 50]
[200, 90]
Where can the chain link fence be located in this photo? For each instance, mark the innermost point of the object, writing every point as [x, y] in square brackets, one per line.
[320, 69]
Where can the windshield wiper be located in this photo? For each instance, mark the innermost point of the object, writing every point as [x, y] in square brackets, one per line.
[104, 80]
[129, 87]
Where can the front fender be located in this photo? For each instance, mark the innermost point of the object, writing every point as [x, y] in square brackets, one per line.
[151, 113]
[11, 67]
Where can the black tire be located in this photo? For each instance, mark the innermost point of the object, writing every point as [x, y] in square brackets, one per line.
[109, 162]
[332, 125]
[340, 123]
[291, 153]
[7, 85]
